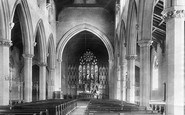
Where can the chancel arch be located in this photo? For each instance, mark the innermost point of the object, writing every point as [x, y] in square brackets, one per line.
[86, 66]
[89, 28]
[80, 28]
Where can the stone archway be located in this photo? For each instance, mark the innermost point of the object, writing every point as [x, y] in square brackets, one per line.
[40, 59]
[27, 28]
[21, 8]
[87, 27]
[79, 28]
[131, 49]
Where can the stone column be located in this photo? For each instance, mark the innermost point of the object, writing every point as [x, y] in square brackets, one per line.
[145, 72]
[4, 72]
[27, 77]
[64, 81]
[111, 80]
[175, 35]
[118, 80]
[58, 76]
[131, 77]
[42, 81]
[123, 81]
[51, 83]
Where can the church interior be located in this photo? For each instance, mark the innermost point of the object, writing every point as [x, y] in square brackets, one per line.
[92, 57]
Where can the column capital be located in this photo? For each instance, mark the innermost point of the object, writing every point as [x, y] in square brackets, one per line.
[145, 42]
[173, 12]
[6, 43]
[29, 56]
[131, 57]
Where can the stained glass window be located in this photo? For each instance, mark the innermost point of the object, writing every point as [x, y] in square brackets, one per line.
[88, 71]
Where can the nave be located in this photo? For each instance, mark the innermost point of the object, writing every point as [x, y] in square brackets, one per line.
[78, 107]
[113, 52]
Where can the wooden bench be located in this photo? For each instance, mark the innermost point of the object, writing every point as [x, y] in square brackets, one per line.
[54, 107]
[6, 110]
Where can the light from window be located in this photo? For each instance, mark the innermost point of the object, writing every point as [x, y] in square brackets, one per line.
[155, 77]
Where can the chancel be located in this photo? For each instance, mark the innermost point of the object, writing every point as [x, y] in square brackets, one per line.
[92, 57]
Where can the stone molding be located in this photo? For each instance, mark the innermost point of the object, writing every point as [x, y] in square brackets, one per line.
[42, 64]
[5, 43]
[29, 56]
[145, 43]
[131, 57]
[79, 28]
[173, 13]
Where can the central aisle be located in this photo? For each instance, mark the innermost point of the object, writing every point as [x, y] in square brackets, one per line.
[80, 109]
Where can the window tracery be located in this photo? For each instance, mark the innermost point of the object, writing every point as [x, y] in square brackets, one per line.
[88, 77]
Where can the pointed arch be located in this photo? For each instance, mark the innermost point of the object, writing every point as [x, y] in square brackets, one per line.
[4, 20]
[131, 28]
[26, 24]
[123, 40]
[79, 28]
[42, 40]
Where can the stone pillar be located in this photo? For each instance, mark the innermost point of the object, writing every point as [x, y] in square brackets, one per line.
[145, 72]
[64, 81]
[58, 76]
[42, 81]
[131, 77]
[118, 80]
[175, 35]
[27, 77]
[123, 81]
[111, 80]
[4, 72]
[51, 83]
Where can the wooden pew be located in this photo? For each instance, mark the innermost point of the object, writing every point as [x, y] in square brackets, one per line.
[6, 110]
[54, 107]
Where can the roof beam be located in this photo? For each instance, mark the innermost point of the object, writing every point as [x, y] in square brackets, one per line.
[161, 30]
